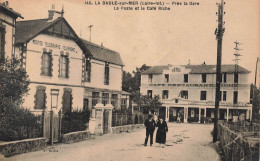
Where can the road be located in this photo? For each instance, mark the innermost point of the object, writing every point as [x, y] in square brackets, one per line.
[185, 142]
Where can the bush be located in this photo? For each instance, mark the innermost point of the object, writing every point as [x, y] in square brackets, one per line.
[18, 123]
[74, 121]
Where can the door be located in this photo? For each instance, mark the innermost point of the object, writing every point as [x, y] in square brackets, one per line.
[162, 112]
[105, 121]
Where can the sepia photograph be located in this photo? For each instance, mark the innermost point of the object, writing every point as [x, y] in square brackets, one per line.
[120, 80]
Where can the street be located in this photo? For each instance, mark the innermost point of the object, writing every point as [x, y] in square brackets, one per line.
[185, 142]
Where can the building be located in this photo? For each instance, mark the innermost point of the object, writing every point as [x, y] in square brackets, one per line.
[65, 71]
[188, 91]
[7, 30]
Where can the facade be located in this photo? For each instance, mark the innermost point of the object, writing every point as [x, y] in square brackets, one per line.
[66, 72]
[7, 30]
[188, 92]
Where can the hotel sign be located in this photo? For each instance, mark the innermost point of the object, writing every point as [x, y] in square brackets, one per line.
[194, 85]
[54, 46]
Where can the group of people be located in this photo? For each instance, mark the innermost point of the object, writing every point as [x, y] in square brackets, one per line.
[150, 125]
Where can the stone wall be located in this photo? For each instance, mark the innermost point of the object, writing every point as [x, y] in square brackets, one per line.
[75, 137]
[126, 128]
[22, 146]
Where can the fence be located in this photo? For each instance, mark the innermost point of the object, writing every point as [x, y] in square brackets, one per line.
[242, 126]
[235, 146]
[127, 119]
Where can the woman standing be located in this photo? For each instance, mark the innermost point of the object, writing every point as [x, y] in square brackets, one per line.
[161, 132]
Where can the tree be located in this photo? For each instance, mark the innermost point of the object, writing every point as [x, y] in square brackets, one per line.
[14, 81]
[147, 104]
[255, 100]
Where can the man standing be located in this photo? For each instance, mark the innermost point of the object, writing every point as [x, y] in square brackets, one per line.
[150, 126]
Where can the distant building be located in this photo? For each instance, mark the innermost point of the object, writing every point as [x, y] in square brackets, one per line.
[65, 71]
[188, 91]
[7, 30]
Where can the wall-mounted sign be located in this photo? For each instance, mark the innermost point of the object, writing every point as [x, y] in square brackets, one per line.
[54, 46]
[195, 85]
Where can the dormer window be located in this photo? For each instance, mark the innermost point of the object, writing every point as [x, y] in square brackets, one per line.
[150, 78]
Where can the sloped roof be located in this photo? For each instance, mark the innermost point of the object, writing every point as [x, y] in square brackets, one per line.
[9, 11]
[103, 54]
[27, 30]
[198, 69]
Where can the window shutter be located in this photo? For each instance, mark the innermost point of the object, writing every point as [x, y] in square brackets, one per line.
[67, 67]
[50, 65]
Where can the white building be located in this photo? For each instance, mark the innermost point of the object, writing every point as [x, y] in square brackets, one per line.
[7, 30]
[65, 71]
[188, 91]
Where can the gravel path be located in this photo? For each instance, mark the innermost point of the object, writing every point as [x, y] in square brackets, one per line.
[185, 142]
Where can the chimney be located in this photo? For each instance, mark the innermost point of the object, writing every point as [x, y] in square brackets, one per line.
[101, 44]
[6, 4]
[53, 14]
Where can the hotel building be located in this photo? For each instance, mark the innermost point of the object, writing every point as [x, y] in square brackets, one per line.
[65, 71]
[188, 91]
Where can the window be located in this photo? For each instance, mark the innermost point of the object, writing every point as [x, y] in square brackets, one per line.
[67, 101]
[105, 98]
[184, 94]
[165, 94]
[95, 97]
[166, 78]
[186, 78]
[204, 78]
[150, 93]
[54, 98]
[106, 74]
[64, 66]
[236, 77]
[223, 95]
[203, 95]
[123, 103]
[88, 71]
[235, 97]
[2, 42]
[40, 98]
[150, 78]
[224, 78]
[114, 100]
[46, 64]
[85, 105]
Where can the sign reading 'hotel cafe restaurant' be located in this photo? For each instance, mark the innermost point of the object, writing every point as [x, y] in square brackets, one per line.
[188, 92]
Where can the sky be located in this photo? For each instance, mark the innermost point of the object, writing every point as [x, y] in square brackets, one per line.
[175, 36]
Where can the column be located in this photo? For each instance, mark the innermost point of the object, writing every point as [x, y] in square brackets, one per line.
[199, 113]
[99, 109]
[185, 114]
[167, 113]
[205, 112]
[227, 114]
[109, 107]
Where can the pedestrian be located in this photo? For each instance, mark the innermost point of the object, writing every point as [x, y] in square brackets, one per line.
[161, 132]
[150, 126]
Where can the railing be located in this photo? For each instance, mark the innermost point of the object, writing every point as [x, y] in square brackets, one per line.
[127, 119]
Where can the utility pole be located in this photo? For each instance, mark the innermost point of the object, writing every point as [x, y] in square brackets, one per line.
[90, 26]
[219, 35]
[257, 60]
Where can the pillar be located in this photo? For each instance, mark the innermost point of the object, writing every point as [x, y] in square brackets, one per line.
[109, 107]
[205, 112]
[227, 114]
[99, 109]
[199, 113]
[185, 114]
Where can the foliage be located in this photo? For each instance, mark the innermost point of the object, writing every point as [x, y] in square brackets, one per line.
[75, 121]
[14, 81]
[146, 103]
[18, 123]
[15, 122]
[255, 98]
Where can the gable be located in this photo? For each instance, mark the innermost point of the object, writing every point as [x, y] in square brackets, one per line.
[62, 29]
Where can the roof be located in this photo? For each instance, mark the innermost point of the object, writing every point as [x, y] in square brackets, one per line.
[198, 69]
[9, 11]
[27, 30]
[103, 54]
